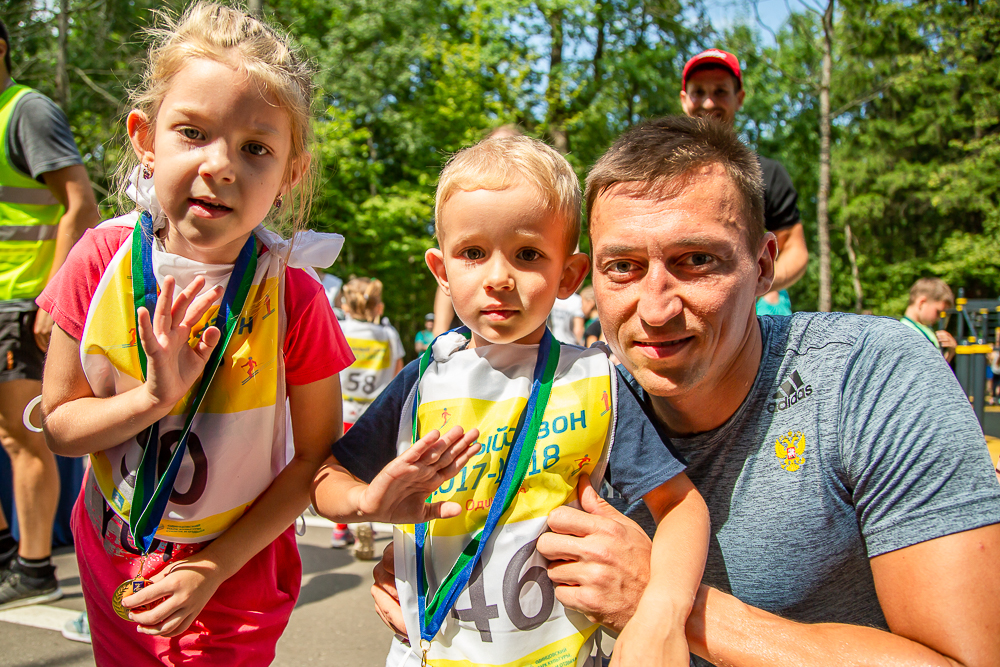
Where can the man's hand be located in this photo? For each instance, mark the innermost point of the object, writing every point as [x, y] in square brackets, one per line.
[598, 559]
[43, 329]
[385, 594]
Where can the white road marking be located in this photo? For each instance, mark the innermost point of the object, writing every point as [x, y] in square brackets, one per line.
[39, 616]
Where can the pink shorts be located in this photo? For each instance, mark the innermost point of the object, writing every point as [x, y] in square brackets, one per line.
[240, 625]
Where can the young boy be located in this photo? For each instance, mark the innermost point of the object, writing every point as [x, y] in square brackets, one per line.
[526, 419]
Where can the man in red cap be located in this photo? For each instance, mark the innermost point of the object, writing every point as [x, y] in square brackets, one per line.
[713, 86]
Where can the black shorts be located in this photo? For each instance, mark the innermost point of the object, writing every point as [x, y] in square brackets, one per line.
[20, 358]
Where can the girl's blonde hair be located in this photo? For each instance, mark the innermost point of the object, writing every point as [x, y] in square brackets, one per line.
[233, 37]
[362, 298]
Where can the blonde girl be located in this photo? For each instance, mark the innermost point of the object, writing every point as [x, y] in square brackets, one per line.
[182, 328]
[378, 353]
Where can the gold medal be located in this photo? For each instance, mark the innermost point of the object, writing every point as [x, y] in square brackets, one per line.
[126, 589]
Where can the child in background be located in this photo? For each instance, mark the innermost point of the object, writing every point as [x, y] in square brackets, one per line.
[184, 522]
[378, 357]
[527, 422]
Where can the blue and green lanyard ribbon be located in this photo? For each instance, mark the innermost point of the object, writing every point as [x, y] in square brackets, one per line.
[152, 492]
[432, 615]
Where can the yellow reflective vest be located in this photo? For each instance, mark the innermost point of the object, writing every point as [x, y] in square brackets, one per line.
[29, 219]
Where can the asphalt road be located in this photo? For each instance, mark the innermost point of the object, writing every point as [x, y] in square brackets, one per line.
[334, 622]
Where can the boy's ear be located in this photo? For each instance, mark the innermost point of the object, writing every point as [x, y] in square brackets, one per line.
[435, 262]
[140, 133]
[575, 270]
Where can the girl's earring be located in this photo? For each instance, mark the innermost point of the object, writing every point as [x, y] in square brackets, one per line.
[277, 201]
[147, 172]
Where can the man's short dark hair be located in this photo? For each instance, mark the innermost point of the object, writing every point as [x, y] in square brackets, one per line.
[657, 156]
[5, 36]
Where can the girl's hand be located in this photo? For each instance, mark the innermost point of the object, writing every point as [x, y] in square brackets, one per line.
[399, 493]
[173, 365]
[180, 591]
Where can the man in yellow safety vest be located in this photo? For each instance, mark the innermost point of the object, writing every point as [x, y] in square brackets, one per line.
[46, 203]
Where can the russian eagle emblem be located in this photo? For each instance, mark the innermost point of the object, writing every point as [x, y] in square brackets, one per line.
[789, 449]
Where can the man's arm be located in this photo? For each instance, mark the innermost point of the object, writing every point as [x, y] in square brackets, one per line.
[71, 187]
[941, 599]
[793, 257]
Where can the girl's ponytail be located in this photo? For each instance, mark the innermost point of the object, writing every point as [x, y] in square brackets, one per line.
[362, 299]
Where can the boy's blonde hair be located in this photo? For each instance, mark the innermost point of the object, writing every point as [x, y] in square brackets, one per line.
[361, 297]
[235, 38]
[503, 162]
[934, 289]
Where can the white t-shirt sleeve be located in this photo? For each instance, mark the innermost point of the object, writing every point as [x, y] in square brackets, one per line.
[398, 352]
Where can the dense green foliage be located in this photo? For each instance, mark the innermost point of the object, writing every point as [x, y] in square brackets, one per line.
[405, 84]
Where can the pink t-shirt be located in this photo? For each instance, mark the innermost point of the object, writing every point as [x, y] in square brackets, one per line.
[315, 347]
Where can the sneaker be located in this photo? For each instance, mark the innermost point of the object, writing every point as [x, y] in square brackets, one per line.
[77, 629]
[365, 548]
[341, 538]
[20, 590]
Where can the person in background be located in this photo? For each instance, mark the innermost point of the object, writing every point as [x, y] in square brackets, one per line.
[567, 320]
[332, 286]
[588, 304]
[426, 336]
[712, 85]
[378, 354]
[592, 328]
[46, 204]
[928, 298]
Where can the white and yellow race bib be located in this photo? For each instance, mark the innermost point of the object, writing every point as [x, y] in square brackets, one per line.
[237, 444]
[377, 350]
[508, 614]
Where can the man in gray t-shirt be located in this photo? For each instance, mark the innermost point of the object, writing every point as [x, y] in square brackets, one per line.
[825, 466]
[855, 516]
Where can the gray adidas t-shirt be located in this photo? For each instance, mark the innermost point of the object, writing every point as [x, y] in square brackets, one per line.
[855, 440]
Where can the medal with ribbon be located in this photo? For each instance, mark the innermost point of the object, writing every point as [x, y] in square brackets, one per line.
[433, 613]
[152, 490]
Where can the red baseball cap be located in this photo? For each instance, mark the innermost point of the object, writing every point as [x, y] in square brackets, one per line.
[716, 57]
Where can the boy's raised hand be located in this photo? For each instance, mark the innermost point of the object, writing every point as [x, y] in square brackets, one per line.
[398, 494]
[172, 364]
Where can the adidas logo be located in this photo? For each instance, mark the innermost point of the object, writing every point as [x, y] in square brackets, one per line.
[789, 393]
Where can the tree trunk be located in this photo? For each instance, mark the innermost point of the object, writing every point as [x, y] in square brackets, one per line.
[553, 93]
[372, 158]
[823, 199]
[855, 279]
[62, 75]
[256, 7]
